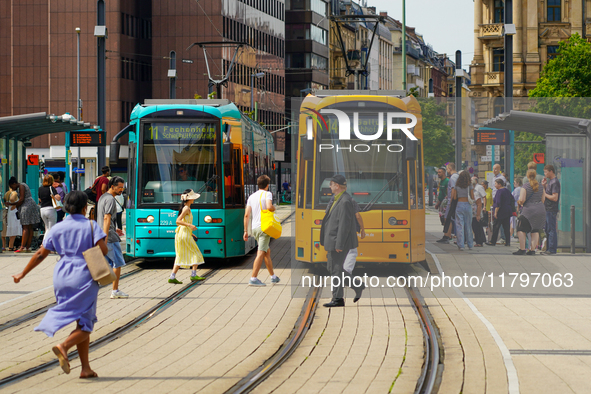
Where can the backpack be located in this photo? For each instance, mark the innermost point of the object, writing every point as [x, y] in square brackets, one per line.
[512, 202]
[91, 191]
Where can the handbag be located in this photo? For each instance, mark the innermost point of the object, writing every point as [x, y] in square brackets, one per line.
[269, 223]
[99, 269]
[56, 204]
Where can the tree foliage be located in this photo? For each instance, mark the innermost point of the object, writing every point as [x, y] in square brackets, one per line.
[563, 89]
[437, 145]
[569, 74]
[524, 153]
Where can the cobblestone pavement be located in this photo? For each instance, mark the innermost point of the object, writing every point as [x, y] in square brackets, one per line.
[542, 335]
[224, 329]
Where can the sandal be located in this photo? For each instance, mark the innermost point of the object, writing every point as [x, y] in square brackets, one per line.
[91, 376]
[18, 251]
[64, 363]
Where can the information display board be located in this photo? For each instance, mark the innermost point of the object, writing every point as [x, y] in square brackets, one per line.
[88, 138]
[491, 137]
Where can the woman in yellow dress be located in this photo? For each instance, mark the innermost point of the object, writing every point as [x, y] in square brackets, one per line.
[187, 252]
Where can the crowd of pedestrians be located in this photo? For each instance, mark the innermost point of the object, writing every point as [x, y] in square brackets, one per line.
[468, 207]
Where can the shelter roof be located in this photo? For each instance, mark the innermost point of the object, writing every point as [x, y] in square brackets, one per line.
[28, 126]
[540, 124]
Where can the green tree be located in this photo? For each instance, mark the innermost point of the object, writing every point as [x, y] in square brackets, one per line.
[569, 73]
[524, 153]
[437, 146]
[564, 89]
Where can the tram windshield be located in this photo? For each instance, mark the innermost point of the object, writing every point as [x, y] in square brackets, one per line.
[176, 157]
[375, 169]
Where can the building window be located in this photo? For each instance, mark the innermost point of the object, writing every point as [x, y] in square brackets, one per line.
[306, 32]
[498, 106]
[499, 60]
[554, 10]
[499, 11]
[298, 60]
[319, 62]
[318, 6]
[552, 51]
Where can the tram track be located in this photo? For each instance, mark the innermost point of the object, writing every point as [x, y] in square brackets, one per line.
[290, 345]
[427, 381]
[115, 334]
[38, 312]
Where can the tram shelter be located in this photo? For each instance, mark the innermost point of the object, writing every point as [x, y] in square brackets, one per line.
[16, 133]
[568, 149]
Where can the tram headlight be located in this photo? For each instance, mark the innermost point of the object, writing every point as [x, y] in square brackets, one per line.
[207, 219]
[150, 219]
[392, 221]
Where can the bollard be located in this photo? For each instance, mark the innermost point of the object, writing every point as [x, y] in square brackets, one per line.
[572, 229]
[430, 188]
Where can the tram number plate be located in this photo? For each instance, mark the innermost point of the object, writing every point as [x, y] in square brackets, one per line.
[168, 218]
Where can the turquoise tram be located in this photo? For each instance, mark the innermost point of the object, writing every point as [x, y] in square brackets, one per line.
[205, 145]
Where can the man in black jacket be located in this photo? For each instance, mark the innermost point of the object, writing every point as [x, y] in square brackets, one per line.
[338, 236]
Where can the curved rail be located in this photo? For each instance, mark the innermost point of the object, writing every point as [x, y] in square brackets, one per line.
[292, 342]
[118, 332]
[31, 315]
[427, 380]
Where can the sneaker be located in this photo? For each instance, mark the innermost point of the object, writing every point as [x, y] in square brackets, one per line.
[119, 294]
[175, 281]
[548, 253]
[256, 282]
[531, 252]
[196, 278]
[444, 240]
[519, 252]
[461, 249]
[276, 280]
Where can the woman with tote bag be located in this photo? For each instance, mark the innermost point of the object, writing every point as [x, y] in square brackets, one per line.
[75, 290]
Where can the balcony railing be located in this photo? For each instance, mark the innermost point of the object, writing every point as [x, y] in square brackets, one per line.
[494, 78]
[491, 31]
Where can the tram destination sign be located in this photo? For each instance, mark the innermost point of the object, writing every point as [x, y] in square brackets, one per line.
[88, 138]
[491, 137]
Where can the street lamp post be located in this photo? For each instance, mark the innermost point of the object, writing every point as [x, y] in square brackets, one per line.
[404, 45]
[78, 100]
[252, 76]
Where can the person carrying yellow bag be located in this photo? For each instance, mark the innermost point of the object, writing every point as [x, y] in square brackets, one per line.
[254, 208]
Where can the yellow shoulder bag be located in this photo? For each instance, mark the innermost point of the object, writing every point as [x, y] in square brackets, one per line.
[269, 223]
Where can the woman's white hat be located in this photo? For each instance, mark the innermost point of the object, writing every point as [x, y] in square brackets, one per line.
[190, 196]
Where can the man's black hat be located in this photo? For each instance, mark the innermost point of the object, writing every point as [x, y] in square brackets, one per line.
[339, 179]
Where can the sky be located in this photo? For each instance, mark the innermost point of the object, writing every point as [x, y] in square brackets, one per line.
[448, 25]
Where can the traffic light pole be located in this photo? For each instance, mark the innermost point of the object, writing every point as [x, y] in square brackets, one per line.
[508, 57]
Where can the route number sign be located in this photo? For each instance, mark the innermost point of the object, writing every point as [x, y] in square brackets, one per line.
[88, 138]
[491, 137]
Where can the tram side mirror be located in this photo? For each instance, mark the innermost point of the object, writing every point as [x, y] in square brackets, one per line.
[308, 149]
[114, 153]
[411, 149]
[227, 152]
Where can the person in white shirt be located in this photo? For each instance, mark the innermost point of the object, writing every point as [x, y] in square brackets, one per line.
[497, 175]
[262, 199]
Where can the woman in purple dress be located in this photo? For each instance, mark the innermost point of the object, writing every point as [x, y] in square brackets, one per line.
[75, 290]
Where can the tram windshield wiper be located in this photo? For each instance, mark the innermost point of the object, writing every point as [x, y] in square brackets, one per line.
[213, 178]
[381, 192]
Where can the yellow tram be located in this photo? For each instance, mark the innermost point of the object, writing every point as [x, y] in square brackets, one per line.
[376, 143]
